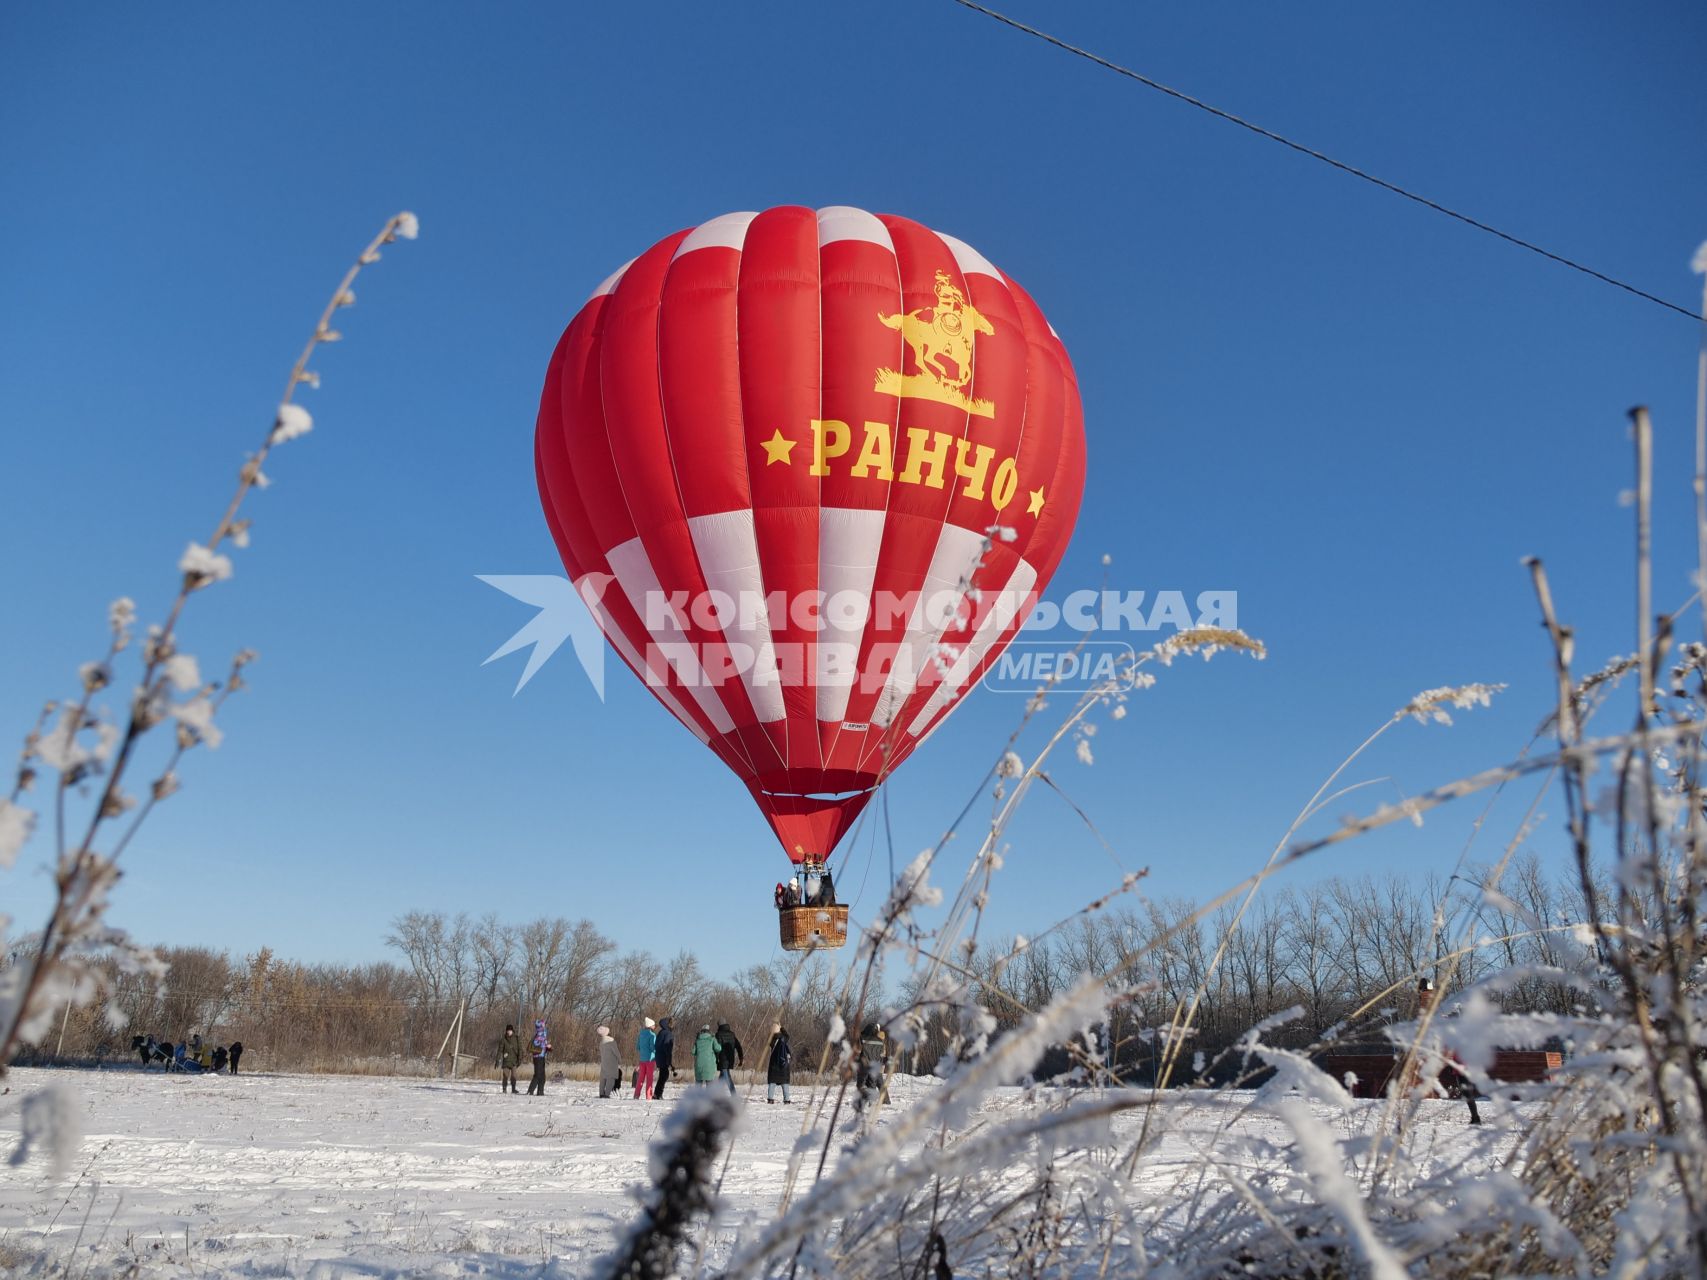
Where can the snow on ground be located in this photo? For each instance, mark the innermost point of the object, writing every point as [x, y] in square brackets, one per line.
[329, 1176]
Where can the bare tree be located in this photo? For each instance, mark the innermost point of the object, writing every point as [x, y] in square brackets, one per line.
[542, 965]
[1315, 964]
[422, 938]
[492, 949]
[199, 989]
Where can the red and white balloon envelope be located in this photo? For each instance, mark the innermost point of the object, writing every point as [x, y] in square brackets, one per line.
[810, 470]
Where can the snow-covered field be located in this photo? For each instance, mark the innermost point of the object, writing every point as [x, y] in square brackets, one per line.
[328, 1176]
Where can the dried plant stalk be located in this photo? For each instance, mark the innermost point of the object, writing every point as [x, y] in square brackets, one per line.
[86, 745]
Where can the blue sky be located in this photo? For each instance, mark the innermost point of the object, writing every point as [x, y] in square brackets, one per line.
[1353, 412]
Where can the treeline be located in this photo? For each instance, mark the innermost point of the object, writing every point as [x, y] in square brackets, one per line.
[1346, 952]
[398, 1015]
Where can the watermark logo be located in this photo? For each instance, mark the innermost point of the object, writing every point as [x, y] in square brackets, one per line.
[563, 615]
[873, 643]
[1026, 666]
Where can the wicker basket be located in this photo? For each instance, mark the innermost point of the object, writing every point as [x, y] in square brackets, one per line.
[804, 928]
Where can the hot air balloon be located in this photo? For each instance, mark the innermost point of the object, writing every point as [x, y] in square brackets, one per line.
[810, 470]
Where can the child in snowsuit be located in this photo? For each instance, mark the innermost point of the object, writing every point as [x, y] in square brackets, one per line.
[541, 1047]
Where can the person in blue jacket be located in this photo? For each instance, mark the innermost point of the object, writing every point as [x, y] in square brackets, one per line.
[645, 1058]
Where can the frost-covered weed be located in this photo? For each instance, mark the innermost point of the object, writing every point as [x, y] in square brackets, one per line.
[89, 745]
[1609, 1176]
[683, 1191]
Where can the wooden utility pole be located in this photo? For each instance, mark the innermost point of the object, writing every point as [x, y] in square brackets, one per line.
[456, 1053]
[455, 1029]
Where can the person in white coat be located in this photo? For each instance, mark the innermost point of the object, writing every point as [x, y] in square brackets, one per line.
[610, 1065]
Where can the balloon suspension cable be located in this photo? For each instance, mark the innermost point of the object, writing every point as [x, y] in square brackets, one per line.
[889, 831]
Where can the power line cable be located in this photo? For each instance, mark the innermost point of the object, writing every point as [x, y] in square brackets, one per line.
[1343, 167]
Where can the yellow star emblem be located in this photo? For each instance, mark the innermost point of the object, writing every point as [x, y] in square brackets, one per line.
[778, 447]
[1036, 503]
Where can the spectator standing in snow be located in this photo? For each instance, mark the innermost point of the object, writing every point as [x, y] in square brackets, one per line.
[883, 1086]
[1459, 1085]
[664, 1051]
[610, 1065]
[1452, 1078]
[779, 1058]
[509, 1058]
[236, 1053]
[704, 1056]
[873, 1067]
[645, 1058]
[729, 1055]
[541, 1047]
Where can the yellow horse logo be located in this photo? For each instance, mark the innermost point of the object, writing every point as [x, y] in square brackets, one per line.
[940, 339]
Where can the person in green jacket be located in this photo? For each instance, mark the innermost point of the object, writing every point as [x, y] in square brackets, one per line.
[509, 1058]
[704, 1056]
